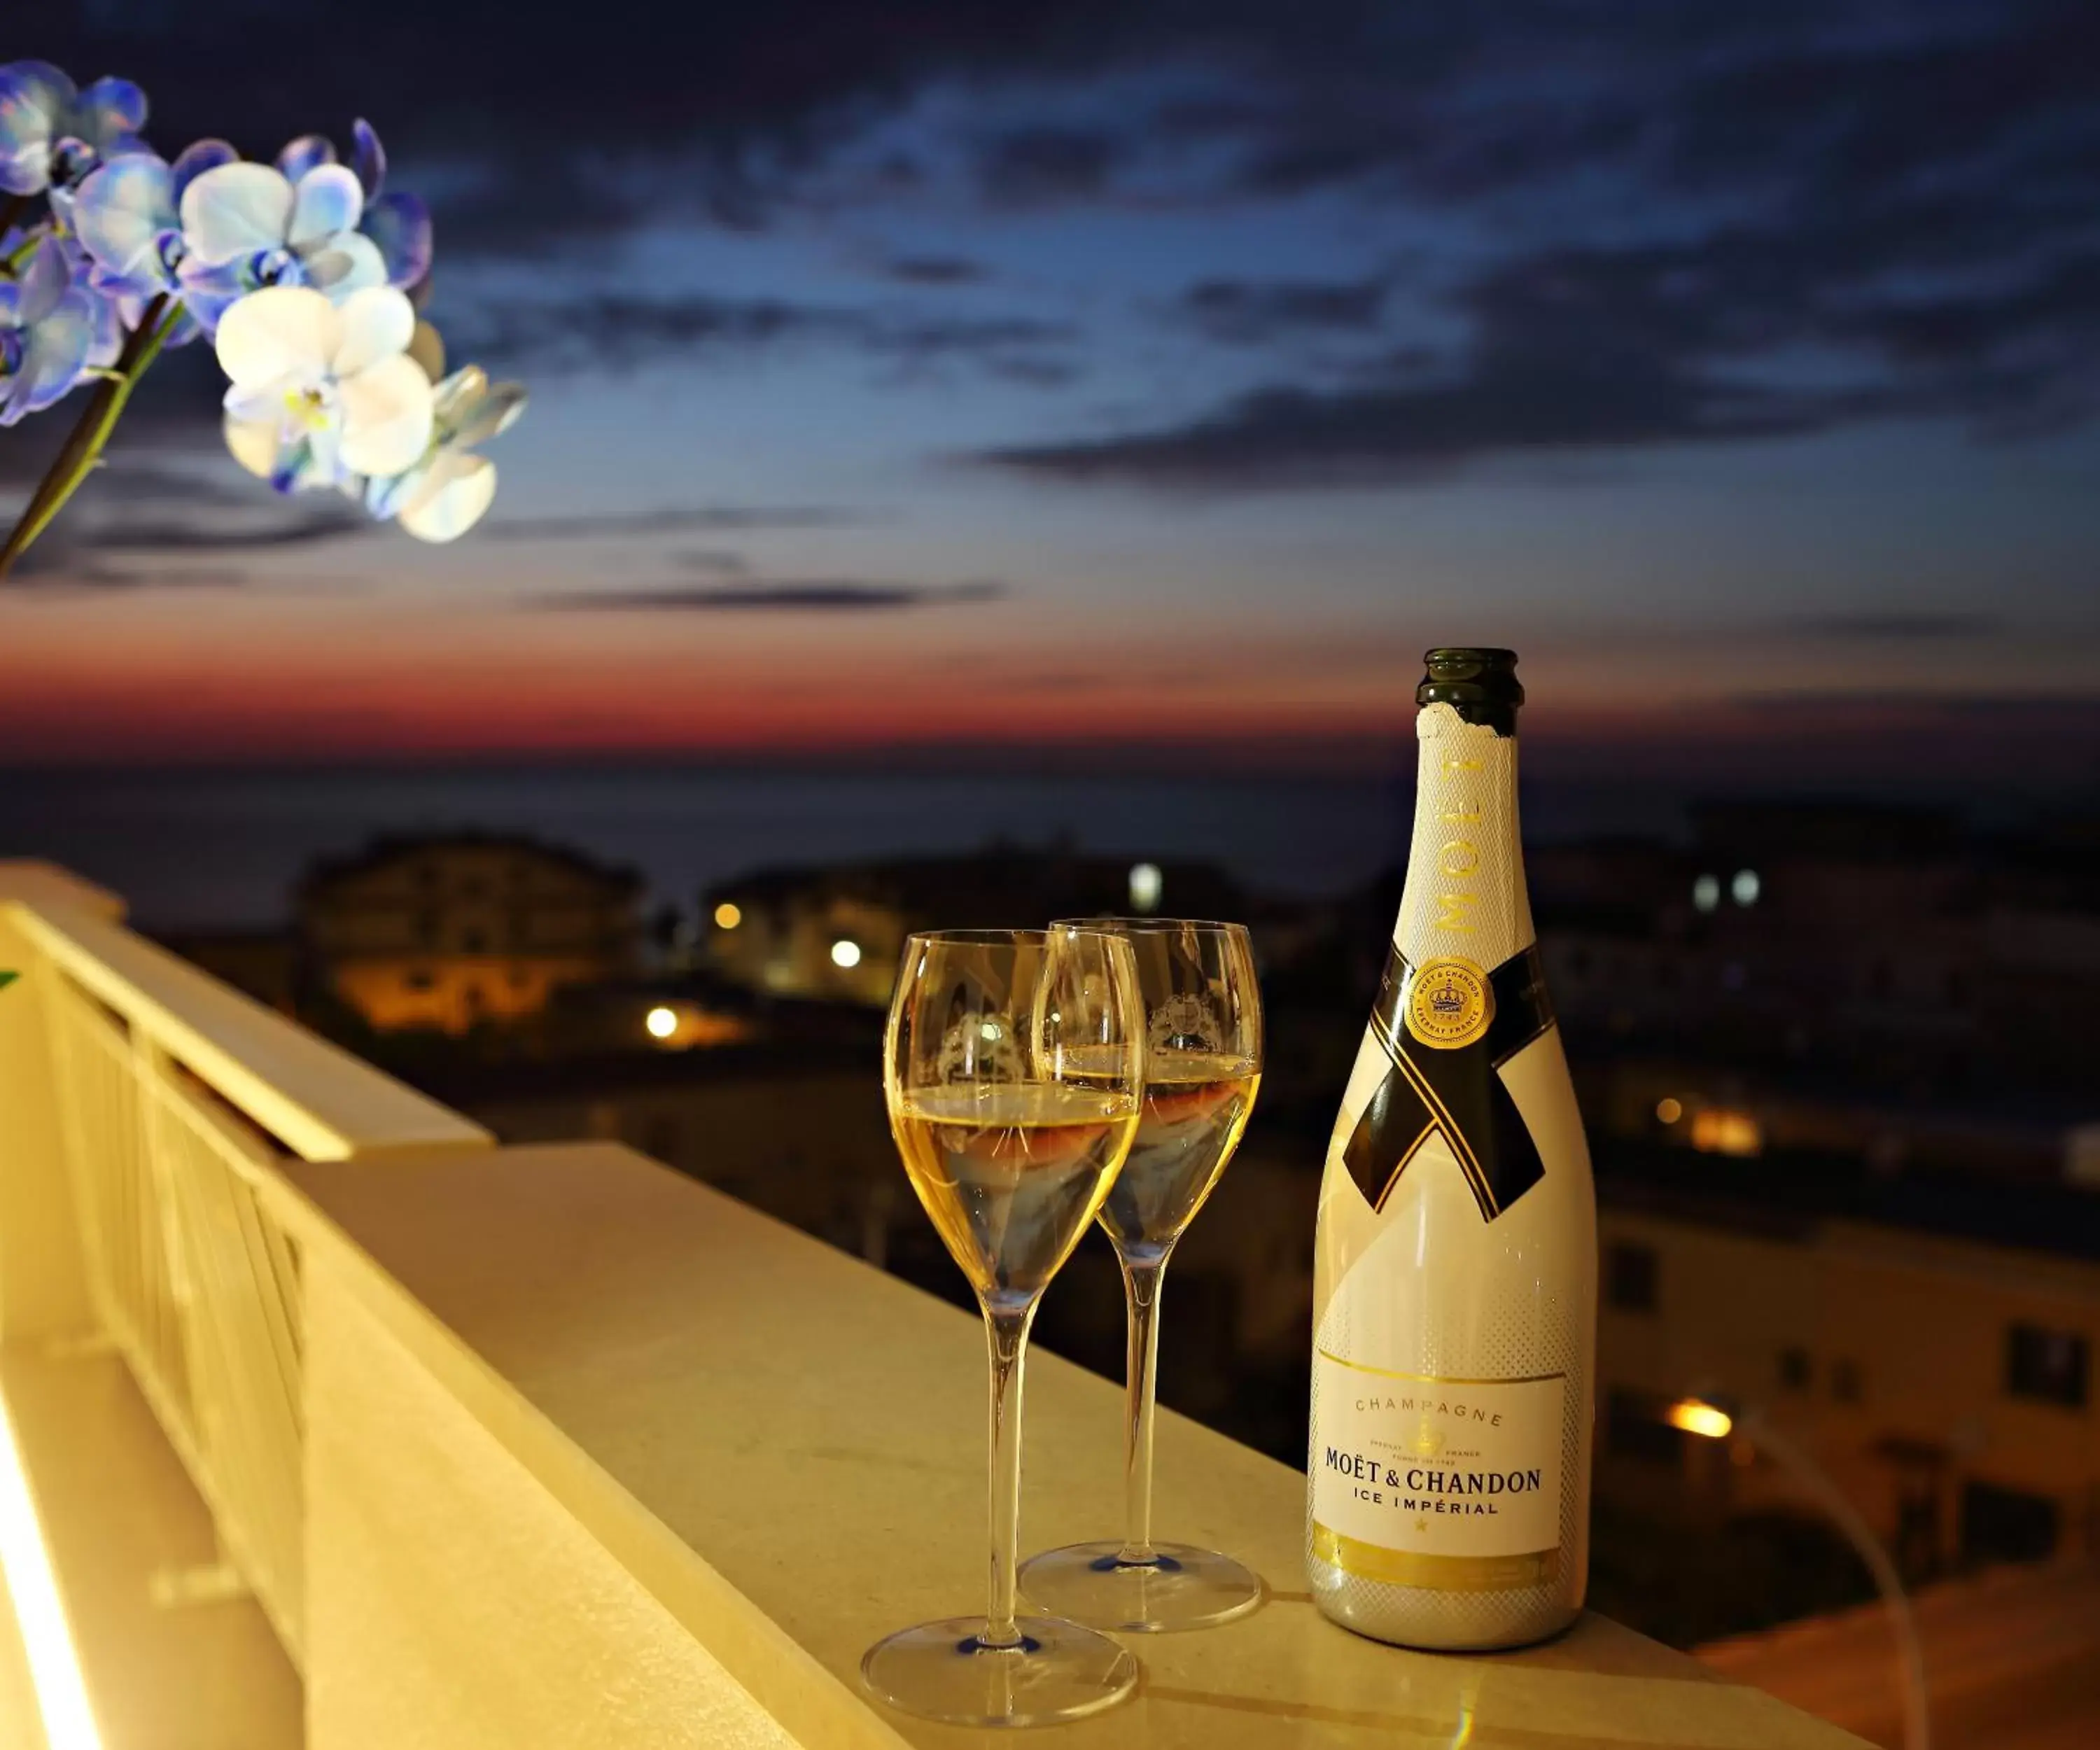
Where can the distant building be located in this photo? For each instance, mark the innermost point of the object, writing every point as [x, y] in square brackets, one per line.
[451, 931]
[1932, 1341]
[1875, 982]
[837, 933]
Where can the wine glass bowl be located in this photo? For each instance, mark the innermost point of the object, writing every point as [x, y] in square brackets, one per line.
[1203, 1070]
[1012, 1071]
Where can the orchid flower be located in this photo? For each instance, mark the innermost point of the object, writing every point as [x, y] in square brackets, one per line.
[322, 391]
[300, 270]
[52, 134]
[445, 494]
[246, 226]
[399, 224]
[48, 329]
[126, 216]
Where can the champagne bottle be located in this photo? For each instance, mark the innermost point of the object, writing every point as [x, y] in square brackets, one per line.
[1455, 1285]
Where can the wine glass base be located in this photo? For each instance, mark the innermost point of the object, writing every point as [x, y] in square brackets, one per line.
[943, 1671]
[1182, 1588]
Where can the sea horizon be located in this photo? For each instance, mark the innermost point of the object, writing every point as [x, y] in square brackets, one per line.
[222, 847]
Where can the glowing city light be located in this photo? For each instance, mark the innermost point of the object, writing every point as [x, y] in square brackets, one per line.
[1669, 1110]
[662, 1023]
[1146, 884]
[1706, 892]
[1745, 888]
[728, 915]
[1702, 1419]
[845, 953]
[26, 1565]
[1719, 1130]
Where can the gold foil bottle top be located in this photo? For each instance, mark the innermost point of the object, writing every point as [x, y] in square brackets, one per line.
[1480, 685]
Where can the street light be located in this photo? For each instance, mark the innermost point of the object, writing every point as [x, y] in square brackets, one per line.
[1710, 1422]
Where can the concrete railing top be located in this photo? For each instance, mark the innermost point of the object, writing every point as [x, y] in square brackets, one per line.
[319, 1100]
[782, 1449]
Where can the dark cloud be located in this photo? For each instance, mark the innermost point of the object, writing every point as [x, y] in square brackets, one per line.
[822, 596]
[672, 520]
[2077, 713]
[715, 562]
[1245, 312]
[106, 540]
[617, 331]
[47, 570]
[1583, 349]
[935, 269]
[1039, 166]
[1899, 627]
[556, 130]
[1738, 221]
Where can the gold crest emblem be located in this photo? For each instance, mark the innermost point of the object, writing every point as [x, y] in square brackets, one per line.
[1428, 1442]
[1449, 1004]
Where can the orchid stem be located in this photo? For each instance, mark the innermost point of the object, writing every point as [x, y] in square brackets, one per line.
[83, 449]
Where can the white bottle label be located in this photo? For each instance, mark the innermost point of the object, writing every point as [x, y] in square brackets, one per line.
[1445, 1482]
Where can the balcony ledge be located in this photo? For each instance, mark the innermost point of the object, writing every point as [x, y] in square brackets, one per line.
[671, 1466]
[550, 1446]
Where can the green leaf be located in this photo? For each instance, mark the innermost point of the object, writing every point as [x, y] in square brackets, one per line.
[7, 979]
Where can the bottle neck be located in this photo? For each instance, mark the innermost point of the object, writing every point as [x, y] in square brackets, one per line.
[1465, 896]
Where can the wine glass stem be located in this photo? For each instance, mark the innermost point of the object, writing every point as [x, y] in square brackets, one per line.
[1141, 1284]
[1007, 1331]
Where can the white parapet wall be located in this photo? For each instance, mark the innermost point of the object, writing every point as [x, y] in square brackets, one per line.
[550, 1447]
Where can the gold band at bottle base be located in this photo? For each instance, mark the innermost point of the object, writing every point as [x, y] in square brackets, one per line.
[1434, 1573]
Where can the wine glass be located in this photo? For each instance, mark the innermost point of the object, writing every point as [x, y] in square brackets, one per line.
[1012, 1067]
[1202, 1068]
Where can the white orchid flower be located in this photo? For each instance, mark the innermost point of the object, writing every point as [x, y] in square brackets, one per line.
[445, 494]
[320, 393]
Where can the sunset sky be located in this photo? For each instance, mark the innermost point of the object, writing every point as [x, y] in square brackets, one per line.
[970, 379]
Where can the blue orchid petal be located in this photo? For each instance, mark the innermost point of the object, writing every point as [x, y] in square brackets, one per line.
[328, 200]
[309, 152]
[34, 97]
[400, 225]
[109, 112]
[205, 154]
[59, 91]
[121, 212]
[53, 358]
[368, 158]
[106, 342]
[45, 279]
[11, 305]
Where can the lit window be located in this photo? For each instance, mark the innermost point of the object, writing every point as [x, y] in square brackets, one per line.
[662, 1023]
[1745, 887]
[845, 953]
[2051, 1365]
[1706, 892]
[728, 915]
[1718, 1129]
[1146, 885]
